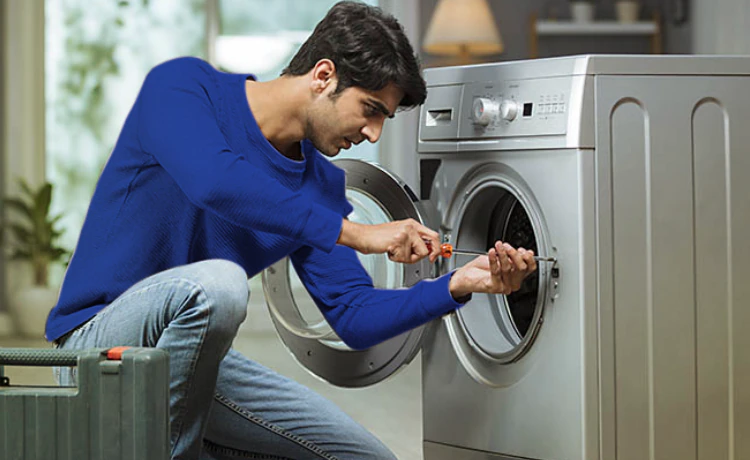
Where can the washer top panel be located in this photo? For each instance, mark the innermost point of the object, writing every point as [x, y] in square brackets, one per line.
[543, 103]
[601, 64]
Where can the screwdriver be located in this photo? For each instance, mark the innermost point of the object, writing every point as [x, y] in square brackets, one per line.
[447, 250]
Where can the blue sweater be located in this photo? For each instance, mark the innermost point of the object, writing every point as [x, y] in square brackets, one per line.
[192, 178]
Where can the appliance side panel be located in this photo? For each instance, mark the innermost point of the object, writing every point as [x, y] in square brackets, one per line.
[604, 283]
[721, 144]
[647, 132]
[738, 171]
[589, 315]
[632, 306]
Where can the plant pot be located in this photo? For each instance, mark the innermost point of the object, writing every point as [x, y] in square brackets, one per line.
[30, 307]
[582, 11]
[627, 10]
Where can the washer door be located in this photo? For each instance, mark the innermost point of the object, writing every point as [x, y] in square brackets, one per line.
[492, 331]
[377, 197]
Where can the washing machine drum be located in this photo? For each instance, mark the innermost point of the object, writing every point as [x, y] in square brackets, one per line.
[510, 223]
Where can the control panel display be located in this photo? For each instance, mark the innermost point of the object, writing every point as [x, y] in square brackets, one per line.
[515, 108]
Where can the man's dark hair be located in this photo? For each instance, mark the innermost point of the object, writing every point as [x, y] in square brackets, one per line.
[368, 47]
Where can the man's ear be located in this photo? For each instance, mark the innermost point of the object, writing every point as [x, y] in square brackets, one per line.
[323, 75]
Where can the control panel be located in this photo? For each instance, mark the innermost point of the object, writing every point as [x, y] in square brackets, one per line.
[514, 108]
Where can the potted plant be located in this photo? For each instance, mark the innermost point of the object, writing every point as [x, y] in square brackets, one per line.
[33, 237]
[582, 10]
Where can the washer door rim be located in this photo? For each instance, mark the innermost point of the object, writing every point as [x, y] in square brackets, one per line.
[481, 365]
[313, 347]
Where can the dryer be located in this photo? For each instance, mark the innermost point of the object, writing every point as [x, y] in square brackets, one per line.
[630, 171]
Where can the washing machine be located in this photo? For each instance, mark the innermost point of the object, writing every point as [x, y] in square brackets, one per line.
[631, 173]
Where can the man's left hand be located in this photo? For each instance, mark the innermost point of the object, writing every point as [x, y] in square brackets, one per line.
[501, 271]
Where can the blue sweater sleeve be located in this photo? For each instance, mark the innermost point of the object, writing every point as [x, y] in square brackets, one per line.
[177, 125]
[360, 314]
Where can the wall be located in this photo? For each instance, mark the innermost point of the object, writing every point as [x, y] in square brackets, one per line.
[22, 57]
[513, 19]
[399, 138]
[4, 318]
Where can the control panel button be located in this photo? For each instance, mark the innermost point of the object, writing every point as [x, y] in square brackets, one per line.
[509, 110]
[484, 111]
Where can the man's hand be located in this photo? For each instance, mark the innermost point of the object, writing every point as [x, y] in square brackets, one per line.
[501, 271]
[405, 241]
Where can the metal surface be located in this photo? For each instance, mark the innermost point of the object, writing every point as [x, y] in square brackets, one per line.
[675, 360]
[528, 401]
[316, 346]
[476, 192]
[637, 182]
[594, 65]
[447, 251]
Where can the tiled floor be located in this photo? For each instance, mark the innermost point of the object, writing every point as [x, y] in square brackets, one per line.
[392, 409]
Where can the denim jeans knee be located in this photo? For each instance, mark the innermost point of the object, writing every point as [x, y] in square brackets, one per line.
[224, 284]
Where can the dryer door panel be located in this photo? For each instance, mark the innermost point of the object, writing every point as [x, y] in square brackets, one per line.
[377, 197]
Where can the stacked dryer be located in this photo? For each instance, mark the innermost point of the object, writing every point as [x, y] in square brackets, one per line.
[631, 172]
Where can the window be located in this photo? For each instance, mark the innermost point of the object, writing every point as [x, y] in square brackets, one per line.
[261, 37]
[98, 53]
[96, 57]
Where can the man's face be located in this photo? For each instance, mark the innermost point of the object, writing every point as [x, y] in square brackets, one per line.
[350, 117]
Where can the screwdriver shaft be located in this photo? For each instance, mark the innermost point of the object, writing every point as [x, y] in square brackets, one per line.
[479, 253]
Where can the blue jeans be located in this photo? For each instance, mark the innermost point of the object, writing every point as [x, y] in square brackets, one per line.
[222, 404]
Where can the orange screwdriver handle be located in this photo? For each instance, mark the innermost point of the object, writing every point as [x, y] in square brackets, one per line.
[446, 249]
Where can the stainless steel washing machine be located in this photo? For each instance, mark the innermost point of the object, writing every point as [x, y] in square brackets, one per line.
[631, 172]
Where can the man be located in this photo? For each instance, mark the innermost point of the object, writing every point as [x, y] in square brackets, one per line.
[216, 176]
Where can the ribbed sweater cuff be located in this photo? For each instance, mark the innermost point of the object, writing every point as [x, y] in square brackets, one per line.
[437, 298]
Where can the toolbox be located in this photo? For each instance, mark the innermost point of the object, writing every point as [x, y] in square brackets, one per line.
[118, 410]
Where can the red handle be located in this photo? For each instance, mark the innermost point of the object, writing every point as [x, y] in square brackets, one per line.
[446, 249]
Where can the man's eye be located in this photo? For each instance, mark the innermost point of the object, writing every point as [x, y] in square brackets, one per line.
[370, 110]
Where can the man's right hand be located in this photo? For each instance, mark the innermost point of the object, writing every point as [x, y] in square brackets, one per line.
[405, 241]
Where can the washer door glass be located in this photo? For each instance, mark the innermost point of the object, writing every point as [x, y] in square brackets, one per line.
[377, 197]
[494, 204]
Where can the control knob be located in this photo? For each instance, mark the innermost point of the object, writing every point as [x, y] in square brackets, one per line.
[484, 111]
[509, 110]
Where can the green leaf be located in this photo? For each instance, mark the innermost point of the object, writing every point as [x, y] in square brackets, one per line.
[20, 254]
[19, 206]
[55, 219]
[25, 188]
[57, 254]
[22, 234]
[35, 235]
[43, 199]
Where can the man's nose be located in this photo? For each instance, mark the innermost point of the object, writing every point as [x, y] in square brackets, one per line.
[372, 131]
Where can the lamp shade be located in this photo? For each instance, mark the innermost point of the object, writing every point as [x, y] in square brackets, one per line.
[462, 27]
